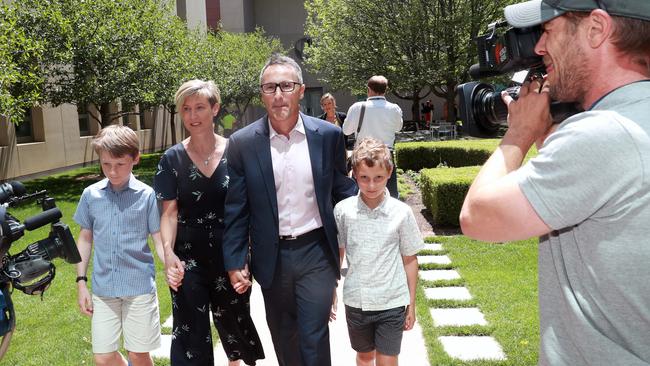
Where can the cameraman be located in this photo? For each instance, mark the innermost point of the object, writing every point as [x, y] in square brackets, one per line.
[587, 193]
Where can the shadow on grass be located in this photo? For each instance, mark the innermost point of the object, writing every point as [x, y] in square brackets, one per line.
[69, 185]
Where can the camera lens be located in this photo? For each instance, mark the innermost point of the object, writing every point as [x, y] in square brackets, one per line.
[59, 244]
[481, 109]
[488, 108]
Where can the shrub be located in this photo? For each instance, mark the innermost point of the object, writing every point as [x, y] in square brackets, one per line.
[443, 192]
[458, 153]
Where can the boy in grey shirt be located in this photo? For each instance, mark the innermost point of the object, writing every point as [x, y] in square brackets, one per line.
[381, 238]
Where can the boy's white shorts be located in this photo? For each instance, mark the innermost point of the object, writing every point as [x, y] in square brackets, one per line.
[137, 317]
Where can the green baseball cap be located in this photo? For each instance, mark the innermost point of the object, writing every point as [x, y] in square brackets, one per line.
[536, 12]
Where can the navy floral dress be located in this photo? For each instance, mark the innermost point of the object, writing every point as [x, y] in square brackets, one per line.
[205, 287]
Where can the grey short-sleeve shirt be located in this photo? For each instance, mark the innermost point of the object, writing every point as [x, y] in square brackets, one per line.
[375, 241]
[591, 184]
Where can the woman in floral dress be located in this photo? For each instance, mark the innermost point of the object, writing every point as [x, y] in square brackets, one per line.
[191, 182]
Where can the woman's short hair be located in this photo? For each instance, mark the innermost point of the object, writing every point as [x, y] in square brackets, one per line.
[117, 140]
[371, 151]
[207, 89]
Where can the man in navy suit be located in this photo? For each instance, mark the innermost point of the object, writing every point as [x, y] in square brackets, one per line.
[287, 170]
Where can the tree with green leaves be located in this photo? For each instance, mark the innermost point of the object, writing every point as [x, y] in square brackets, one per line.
[21, 79]
[108, 52]
[421, 46]
[132, 52]
[234, 61]
[231, 60]
[175, 54]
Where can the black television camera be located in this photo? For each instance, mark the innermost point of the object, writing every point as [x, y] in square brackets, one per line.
[31, 270]
[502, 50]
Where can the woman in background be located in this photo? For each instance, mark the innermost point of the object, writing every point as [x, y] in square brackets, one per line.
[328, 105]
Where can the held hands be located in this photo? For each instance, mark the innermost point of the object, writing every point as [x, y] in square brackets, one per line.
[529, 117]
[84, 300]
[239, 279]
[409, 321]
[174, 270]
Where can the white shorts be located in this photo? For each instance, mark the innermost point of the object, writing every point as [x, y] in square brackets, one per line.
[135, 316]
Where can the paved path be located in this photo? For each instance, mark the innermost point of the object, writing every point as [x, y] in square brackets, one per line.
[413, 350]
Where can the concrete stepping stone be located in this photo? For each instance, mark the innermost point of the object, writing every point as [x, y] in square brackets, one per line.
[432, 246]
[435, 259]
[439, 275]
[169, 322]
[447, 293]
[472, 348]
[457, 317]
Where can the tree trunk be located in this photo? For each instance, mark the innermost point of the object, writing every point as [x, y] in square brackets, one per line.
[451, 101]
[104, 111]
[172, 123]
[415, 108]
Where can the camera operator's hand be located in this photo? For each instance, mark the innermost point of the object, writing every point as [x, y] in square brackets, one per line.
[529, 117]
[84, 299]
[174, 270]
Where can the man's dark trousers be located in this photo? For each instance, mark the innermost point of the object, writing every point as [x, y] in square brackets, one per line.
[392, 183]
[392, 180]
[299, 301]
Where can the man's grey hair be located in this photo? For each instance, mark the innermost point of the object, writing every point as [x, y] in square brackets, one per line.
[278, 59]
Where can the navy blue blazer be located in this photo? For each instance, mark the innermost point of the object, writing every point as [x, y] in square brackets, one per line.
[251, 210]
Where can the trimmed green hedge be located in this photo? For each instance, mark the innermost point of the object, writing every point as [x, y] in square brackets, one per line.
[447, 169]
[456, 153]
[444, 190]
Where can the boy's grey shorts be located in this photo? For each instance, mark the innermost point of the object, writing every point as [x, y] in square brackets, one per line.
[376, 330]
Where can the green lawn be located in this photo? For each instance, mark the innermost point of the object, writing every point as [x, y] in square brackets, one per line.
[502, 278]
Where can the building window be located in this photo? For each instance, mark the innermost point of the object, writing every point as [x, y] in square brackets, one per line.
[310, 104]
[145, 116]
[25, 130]
[84, 121]
[181, 9]
[212, 14]
[130, 119]
[4, 129]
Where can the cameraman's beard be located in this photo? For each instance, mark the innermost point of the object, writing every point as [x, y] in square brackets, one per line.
[571, 77]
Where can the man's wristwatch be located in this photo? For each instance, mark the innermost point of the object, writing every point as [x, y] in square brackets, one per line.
[80, 278]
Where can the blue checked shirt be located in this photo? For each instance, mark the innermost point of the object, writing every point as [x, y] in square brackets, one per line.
[120, 223]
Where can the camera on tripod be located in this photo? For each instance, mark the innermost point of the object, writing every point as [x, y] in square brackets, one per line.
[502, 50]
[31, 270]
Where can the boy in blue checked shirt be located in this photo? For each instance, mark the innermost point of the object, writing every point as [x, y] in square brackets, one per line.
[380, 237]
[116, 215]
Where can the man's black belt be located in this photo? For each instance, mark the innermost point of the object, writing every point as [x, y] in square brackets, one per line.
[306, 237]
